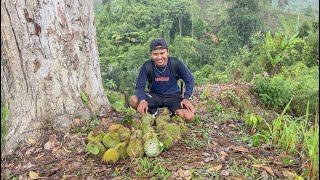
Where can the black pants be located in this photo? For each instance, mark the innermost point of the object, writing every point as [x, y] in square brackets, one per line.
[171, 101]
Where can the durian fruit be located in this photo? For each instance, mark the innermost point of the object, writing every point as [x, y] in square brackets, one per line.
[146, 128]
[136, 133]
[181, 123]
[111, 139]
[161, 121]
[147, 118]
[177, 119]
[147, 135]
[135, 148]
[153, 147]
[163, 118]
[166, 112]
[122, 149]
[166, 140]
[124, 134]
[136, 124]
[173, 130]
[95, 148]
[96, 135]
[114, 127]
[111, 156]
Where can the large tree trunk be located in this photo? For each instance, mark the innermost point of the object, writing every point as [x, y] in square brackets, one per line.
[49, 55]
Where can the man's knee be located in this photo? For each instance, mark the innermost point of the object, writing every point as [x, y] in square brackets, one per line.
[189, 117]
[186, 115]
[134, 102]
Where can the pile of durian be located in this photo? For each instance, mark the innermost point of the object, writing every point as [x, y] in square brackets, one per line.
[149, 136]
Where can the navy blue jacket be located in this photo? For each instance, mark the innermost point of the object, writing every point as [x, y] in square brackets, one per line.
[165, 83]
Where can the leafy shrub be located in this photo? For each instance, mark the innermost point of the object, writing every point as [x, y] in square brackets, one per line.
[311, 50]
[274, 92]
[304, 85]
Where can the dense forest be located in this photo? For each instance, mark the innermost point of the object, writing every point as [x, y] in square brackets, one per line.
[220, 41]
[256, 70]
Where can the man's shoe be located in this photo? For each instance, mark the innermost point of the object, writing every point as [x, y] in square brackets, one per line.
[171, 114]
[154, 112]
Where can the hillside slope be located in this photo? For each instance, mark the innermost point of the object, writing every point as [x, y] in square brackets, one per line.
[215, 148]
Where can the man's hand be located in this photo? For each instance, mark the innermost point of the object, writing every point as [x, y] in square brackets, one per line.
[142, 107]
[187, 104]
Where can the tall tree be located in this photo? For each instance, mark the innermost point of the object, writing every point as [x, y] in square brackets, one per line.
[245, 18]
[49, 58]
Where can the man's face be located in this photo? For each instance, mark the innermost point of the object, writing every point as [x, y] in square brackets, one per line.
[160, 57]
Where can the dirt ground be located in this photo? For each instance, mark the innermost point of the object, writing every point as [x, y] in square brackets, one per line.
[213, 151]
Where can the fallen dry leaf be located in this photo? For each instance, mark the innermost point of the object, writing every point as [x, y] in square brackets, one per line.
[76, 122]
[268, 169]
[288, 174]
[215, 168]
[239, 148]
[30, 151]
[65, 149]
[31, 140]
[33, 175]
[206, 154]
[258, 165]
[53, 138]
[184, 173]
[222, 158]
[223, 153]
[225, 172]
[208, 159]
[48, 145]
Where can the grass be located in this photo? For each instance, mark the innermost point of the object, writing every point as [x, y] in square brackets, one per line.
[244, 169]
[199, 137]
[204, 173]
[151, 168]
[297, 136]
[4, 115]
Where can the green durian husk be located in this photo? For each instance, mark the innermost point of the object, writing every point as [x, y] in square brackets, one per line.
[111, 156]
[148, 135]
[98, 144]
[160, 122]
[162, 118]
[111, 139]
[122, 149]
[177, 119]
[147, 119]
[114, 127]
[173, 130]
[96, 135]
[166, 112]
[124, 134]
[136, 134]
[166, 139]
[136, 124]
[135, 148]
[147, 128]
[153, 147]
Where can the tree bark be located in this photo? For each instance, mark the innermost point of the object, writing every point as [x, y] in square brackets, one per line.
[49, 55]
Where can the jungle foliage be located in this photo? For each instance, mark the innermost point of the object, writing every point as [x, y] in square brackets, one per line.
[220, 41]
